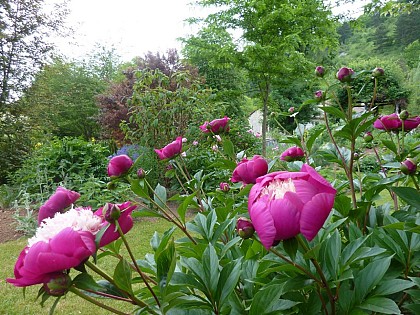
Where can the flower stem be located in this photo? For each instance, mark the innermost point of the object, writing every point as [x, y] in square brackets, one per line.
[308, 273]
[322, 276]
[107, 277]
[133, 259]
[93, 301]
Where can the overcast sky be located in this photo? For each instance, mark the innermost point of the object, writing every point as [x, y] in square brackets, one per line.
[133, 27]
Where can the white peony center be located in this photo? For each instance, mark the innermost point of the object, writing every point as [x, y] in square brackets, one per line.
[79, 219]
[277, 188]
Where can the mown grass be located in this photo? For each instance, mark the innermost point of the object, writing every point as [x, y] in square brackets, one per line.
[13, 302]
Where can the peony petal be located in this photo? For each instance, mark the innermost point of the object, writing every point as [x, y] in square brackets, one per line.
[314, 214]
[286, 218]
[263, 223]
[305, 190]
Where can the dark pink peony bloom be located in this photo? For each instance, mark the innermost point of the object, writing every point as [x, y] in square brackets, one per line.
[171, 150]
[411, 123]
[60, 200]
[60, 243]
[388, 122]
[125, 221]
[345, 74]
[216, 126]
[284, 204]
[119, 165]
[292, 154]
[247, 171]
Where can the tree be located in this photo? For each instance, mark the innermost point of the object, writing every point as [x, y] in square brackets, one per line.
[114, 102]
[276, 36]
[24, 30]
[61, 101]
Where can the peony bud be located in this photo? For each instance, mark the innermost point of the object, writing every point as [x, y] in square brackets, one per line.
[244, 228]
[141, 173]
[368, 137]
[291, 110]
[356, 156]
[112, 212]
[111, 186]
[378, 72]
[408, 167]
[58, 285]
[319, 71]
[404, 115]
[345, 74]
[119, 165]
[319, 95]
[224, 187]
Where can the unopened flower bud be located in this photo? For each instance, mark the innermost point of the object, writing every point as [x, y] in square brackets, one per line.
[319, 71]
[377, 72]
[356, 156]
[368, 137]
[141, 173]
[58, 285]
[112, 212]
[291, 110]
[224, 187]
[119, 165]
[408, 167]
[319, 95]
[245, 228]
[404, 115]
[111, 186]
[345, 74]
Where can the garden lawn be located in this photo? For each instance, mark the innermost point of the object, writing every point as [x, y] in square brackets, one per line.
[13, 302]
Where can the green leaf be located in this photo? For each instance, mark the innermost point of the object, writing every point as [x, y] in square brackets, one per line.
[228, 148]
[391, 146]
[210, 263]
[229, 277]
[410, 195]
[122, 275]
[381, 305]
[291, 246]
[393, 286]
[369, 277]
[334, 111]
[84, 281]
[160, 195]
[313, 137]
[351, 248]
[332, 254]
[138, 187]
[165, 265]
[265, 299]
[183, 207]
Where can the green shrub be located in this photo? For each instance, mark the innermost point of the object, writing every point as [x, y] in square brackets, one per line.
[71, 162]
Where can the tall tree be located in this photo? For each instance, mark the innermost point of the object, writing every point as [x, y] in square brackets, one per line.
[275, 36]
[25, 26]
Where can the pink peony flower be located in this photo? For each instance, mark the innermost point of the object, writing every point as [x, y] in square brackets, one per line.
[345, 74]
[411, 123]
[60, 200]
[283, 204]
[292, 154]
[125, 221]
[388, 122]
[247, 171]
[60, 243]
[119, 165]
[216, 126]
[171, 150]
